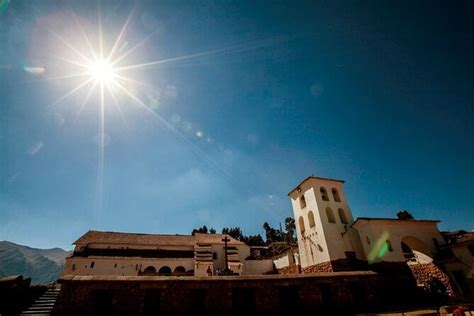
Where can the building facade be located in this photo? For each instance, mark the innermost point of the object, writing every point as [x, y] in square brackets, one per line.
[99, 253]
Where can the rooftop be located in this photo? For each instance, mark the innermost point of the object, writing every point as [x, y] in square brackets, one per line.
[104, 237]
[316, 178]
[381, 219]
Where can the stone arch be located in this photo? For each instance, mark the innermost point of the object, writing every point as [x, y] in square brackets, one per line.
[311, 219]
[342, 216]
[416, 250]
[165, 270]
[330, 215]
[324, 194]
[301, 223]
[335, 195]
[150, 270]
[179, 270]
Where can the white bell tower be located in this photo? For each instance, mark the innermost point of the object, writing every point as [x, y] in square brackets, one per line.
[323, 219]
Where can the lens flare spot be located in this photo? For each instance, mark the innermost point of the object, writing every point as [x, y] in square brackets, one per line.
[39, 70]
[200, 134]
[380, 247]
[4, 5]
[33, 149]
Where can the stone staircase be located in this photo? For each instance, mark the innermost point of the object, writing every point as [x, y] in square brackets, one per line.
[44, 304]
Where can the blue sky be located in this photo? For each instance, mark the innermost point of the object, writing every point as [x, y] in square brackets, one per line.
[270, 92]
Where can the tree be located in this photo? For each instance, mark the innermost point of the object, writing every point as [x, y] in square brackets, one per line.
[212, 231]
[404, 215]
[255, 240]
[272, 234]
[290, 228]
[234, 232]
[202, 230]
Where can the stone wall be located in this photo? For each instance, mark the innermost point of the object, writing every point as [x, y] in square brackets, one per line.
[320, 267]
[339, 293]
[424, 273]
[291, 269]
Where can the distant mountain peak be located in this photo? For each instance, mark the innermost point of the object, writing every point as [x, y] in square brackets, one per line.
[41, 265]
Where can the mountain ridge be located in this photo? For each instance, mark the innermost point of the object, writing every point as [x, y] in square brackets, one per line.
[43, 266]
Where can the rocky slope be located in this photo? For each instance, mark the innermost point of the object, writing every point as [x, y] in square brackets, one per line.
[43, 266]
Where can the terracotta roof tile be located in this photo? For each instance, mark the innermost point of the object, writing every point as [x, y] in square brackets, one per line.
[100, 237]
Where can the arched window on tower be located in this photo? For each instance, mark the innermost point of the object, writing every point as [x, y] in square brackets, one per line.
[302, 201]
[335, 195]
[324, 194]
[301, 222]
[311, 219]
[342, 216]
[330, 215]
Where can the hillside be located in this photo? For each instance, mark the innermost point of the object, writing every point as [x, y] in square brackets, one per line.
[43, 266]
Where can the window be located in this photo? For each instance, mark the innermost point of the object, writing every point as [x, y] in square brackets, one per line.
[342, 216]
[301, 222]
[115, 265]
[389, 245]
[92, 264]
[335, 195]
[330, 215]
[407, 252]
[324, 194]
[73, 266]
[302, 201]
[311, 219]
[150, 270]
[367, 240]
[165, 270]
[179, 270]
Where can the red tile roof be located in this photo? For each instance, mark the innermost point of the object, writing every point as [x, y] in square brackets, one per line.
[100, 237]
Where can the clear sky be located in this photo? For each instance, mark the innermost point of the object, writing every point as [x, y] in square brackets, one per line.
[246, 99]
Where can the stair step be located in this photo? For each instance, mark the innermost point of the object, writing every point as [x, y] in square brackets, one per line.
[35, 313]
[36, 308]
[42, 305]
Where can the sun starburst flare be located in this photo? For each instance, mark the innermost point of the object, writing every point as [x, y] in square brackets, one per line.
[106, 74]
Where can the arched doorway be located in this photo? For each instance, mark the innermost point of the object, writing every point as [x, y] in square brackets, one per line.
[150, 270]
[414, 250]
[179, 270]
[164, 271]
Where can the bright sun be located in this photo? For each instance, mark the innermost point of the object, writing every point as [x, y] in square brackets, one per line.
[102, 72]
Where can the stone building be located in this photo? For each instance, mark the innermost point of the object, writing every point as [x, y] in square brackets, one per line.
[123, 254]
[329, 239]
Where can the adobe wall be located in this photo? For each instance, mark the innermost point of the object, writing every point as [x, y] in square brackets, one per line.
[340, 293]
[425, 272]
